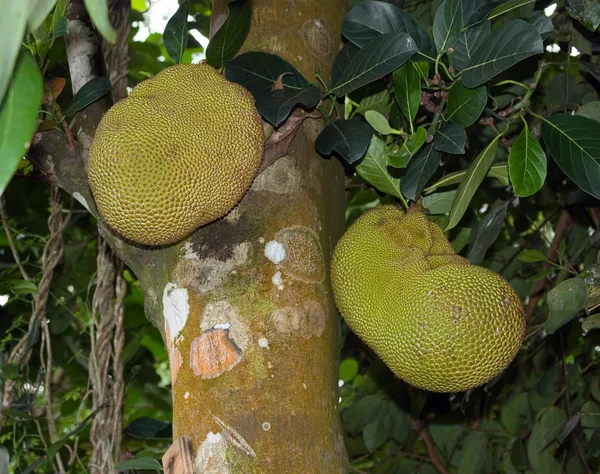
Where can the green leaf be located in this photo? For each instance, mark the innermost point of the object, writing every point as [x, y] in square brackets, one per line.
[450, 138]
[378, 430]
[18, 115]
[531, 256]
[476, 10]
[515, 413]
[18, 287]
[591, 322]
[509, 44]
[90, 92]
[587, 12]
[500, 172]
[508, 6]
[175, 35]
[401, 421]
[343, 60]
[540, 445]
[590, 110]
[379, 102]
[419, 170]
[594, 443]
[526, 164]
[565, 301]
[61, 29]
[378, 122]
[539, 276]
[368, 20]
[11, 372]
[230, 37]
[518, 455]
[470, 183]
[4, 459]
[465, 105]
[373, 169]
[407, 90]
[141, 464]
[362, 413]
[592, 68]
[13, 22]
[542, 23]
[400, 158]
[348, 369]
[148, 428]
[447, 25]
[574, 143]
[98, 10]
[445, 432]
[487, 231]
[277, 105]
[39, 11]
[258, 71]
[439, 203]
[474, 453]
[568, 428]
[350, 138]
[469, 41]
[378, 58]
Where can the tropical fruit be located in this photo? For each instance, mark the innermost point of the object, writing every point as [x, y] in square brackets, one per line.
[437, 321]
[178, 153]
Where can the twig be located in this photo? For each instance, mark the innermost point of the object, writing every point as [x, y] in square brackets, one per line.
[560, 231]
[11, 242]
[568, 405]
[434, 457]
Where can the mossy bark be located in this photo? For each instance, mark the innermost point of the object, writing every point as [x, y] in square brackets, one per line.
[245, 304]
[255, 365]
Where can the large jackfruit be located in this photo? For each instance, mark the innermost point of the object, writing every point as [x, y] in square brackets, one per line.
[178, 153]
[437, 321]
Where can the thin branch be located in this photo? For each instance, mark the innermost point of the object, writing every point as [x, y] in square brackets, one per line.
[11, 242]
[434, 457]
[568, 405]
[562, 226]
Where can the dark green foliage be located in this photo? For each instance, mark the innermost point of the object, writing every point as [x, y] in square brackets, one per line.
[411, 124]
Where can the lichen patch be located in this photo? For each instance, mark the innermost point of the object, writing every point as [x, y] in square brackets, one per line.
[210, 457]
[304, 254]
[176, 309]
[282, 177]
[275, 251]
[306, 320]
[208, 274]
[318, 38]
[213, 352]
[223, 315]
[189, 251]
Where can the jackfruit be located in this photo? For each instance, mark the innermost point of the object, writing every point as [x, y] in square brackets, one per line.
[437, 321]
[178, 153]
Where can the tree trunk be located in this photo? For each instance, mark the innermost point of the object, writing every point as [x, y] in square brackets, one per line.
[245, 304]
[254, 342]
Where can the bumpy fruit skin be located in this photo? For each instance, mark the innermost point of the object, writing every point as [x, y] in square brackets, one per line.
[178, 153]
[438, 322]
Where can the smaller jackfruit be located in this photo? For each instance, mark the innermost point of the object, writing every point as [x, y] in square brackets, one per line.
[439, 323]
[178, 153]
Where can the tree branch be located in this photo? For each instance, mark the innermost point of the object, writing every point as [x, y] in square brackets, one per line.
[434, 457]
[562, 226]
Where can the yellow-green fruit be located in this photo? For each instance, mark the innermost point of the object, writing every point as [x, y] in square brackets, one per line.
[178, 153]
[438, 322]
